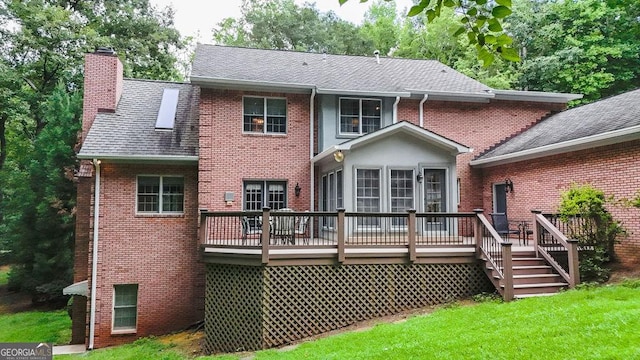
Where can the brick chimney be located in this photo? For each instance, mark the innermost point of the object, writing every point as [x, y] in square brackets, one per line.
[102, 85]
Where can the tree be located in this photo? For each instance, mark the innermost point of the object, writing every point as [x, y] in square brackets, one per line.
[44, 42]
[481, 20]
[381, 26]
[284, 25]
[587, 46]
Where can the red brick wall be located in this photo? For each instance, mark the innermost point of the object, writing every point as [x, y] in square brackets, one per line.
[476, 125]
[539, 182]
[227, 156]
[159, 253]
[102, 87]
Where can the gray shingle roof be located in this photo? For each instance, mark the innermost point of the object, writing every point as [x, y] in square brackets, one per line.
[338, 72]
[608, 115]
[130, 131]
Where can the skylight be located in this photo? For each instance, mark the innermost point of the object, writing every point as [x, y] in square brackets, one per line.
[168, 107]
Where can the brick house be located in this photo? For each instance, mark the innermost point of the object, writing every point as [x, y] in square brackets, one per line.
[597, 143]
[278, 129]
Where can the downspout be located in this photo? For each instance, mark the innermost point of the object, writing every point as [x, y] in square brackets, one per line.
[94, 264]
[395, 110]
[421, 110]
[312, 180]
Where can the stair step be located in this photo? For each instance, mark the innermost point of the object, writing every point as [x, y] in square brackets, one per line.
[524, 296]
[539, 285]
[532, 278]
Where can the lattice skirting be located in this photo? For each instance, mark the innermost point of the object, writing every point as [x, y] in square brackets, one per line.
[251, 308]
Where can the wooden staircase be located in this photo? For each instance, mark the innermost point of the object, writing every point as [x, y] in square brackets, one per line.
[532, 276]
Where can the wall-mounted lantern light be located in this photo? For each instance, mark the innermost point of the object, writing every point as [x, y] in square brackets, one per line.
[508, 185]
[297, 190]
[338, 156]
[419, 177]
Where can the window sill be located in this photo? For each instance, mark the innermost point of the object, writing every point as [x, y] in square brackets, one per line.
[159, 215]
[124, 332]
[348, 136]
[251, 134]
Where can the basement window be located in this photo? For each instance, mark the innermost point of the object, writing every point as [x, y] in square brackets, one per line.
[125, 308]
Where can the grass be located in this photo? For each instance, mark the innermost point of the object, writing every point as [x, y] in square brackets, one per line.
[36, 326]
[589, 323]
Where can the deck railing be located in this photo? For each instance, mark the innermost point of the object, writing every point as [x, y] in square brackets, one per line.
[342, 231]
[491, 247]
[549, 240]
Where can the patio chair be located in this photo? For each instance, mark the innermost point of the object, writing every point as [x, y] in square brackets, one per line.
[284, 227]
[501, 224]
[248, 229]
[301, 229]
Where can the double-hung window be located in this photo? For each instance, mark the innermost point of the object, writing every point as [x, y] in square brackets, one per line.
[125, 307]
[368, 195]
[258, 194]
[264, 115]
[401, 193]
[160, 194]
[359, 116]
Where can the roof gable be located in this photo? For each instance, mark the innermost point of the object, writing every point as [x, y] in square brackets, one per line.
[402, 127]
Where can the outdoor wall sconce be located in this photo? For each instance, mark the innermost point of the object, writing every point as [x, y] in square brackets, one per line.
[338, 156]
[508, 186]
[297, 190]
[419, 177]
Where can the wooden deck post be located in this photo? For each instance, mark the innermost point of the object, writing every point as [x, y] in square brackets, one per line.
[536, 231]
[507, 271]
[477, 231]
[574, 263]
[411, 232]
[266, 234]
[202, 231]
[341, 235]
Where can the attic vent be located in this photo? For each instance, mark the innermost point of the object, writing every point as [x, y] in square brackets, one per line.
[168, 108]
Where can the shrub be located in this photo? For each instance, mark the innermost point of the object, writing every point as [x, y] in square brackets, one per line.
[597, 232]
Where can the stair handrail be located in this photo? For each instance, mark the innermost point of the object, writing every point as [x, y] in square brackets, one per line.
[573, 276]
[503, 266]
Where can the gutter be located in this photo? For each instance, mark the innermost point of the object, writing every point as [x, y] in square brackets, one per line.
[479, 95]
[139, 157]
[608, 138]
[363, 92]
[94, 264]
[203, 80]
[312, 180]
[537, 96]
[421, 109]
[395, 110]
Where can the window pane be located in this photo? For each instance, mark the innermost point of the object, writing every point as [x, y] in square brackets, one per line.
[172, 194]
[277, 124]
[368, 195]
[339, 192]
[277, 107]
[370, 115]
[434, 189]
[401, 193]
[125, 306]
[253, 196]
[253, 106]
[276, 196]
[349, 116]
[349, 107]
[253, 114]
[148, 193]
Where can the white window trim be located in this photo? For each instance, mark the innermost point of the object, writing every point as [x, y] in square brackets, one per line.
[331, 186]
[264, 128]
[132, 330]
[359, 133]
[160, 211]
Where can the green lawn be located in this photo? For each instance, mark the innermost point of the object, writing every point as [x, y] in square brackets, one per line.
[36, 326]
[591, 323]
